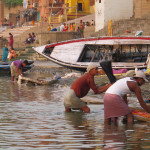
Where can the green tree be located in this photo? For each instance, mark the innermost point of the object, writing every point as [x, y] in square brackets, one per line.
[12, 3]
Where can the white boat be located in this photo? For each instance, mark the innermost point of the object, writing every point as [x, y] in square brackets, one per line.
[125, 52]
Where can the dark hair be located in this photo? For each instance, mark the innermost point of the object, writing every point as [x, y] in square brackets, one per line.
[26, 62]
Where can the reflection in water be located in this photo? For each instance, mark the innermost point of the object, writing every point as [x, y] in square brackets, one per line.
[83, 131]
[114, 136]
[34, 117]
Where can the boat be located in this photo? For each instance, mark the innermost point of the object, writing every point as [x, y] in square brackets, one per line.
[5, 67]
[124, 52]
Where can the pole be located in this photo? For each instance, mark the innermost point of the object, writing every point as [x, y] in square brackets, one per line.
[66, 12]
[76, 16]
[51, 11]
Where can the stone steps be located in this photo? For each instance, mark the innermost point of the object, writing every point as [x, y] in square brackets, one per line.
[14, 31]
[23, 54]
[28, 53]
[88, 31]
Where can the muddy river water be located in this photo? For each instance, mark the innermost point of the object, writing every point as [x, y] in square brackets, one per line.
[33, 117]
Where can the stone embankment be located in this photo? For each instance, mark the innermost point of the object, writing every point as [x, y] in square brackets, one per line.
[119, 28]
[126, 27]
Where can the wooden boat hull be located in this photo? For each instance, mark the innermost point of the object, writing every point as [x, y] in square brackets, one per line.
[125, 52]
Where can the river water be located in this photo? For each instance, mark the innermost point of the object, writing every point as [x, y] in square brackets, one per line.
[33, 117]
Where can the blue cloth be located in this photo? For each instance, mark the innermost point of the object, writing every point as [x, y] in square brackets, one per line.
[5, 54]
[54, 29]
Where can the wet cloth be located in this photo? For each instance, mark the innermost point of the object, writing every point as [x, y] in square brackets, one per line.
[107, 67]
[83, 84]
[114, 106]
[72, 101]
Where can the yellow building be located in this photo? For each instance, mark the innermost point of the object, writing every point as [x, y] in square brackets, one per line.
[77, 8]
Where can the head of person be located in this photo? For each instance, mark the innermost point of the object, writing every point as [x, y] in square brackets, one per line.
[25, 63]
[92, 69]
[140, 77]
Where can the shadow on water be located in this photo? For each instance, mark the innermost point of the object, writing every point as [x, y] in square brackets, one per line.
[33, 117]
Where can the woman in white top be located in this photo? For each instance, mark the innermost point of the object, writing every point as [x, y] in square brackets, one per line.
[115, 98]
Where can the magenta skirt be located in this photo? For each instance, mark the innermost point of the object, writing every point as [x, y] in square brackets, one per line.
[114, 106]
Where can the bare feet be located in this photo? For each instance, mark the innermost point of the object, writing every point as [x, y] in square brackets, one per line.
[67, 109]
[85, 109]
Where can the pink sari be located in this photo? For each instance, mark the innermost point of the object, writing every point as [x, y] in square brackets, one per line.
[11, 41]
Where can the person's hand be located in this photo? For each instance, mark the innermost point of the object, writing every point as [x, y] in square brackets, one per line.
[21, 75]
[108, 85]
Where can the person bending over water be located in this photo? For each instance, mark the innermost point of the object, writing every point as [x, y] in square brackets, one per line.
[81, 87]
[16, 68]
[115, 98]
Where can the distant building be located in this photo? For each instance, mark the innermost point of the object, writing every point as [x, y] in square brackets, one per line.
[77, 8]
[141, 8]
[9, 14]
[106, 10]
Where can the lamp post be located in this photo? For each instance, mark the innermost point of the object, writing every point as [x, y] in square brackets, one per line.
[51, 12]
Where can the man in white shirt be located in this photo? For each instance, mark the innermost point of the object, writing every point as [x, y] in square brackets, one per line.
[62, 27]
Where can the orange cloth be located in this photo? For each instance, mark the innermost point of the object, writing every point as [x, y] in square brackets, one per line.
[12, 54]
[140, 113]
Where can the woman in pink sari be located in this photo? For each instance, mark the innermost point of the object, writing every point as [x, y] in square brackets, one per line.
[11, 40]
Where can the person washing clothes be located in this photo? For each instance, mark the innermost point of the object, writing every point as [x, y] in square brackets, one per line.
[81, 87]
[16, 68]
[115, 98]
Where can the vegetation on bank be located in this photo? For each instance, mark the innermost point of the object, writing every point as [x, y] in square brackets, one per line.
[12, 3]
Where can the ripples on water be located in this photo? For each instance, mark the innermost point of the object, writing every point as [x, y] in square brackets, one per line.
[33, 117]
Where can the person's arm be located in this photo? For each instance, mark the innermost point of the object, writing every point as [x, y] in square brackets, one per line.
[102, 89]
[141, 101]
[125, 99]
[19, 71]
[135, 88]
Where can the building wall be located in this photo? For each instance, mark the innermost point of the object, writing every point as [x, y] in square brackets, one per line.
[1, 12]
[9, 14]
[141, 8]
[14, 10]
[73, 4]
[108, 10]
[99, 15]
[53, 37]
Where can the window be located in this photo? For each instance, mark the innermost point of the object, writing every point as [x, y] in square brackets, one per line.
[79, 6]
